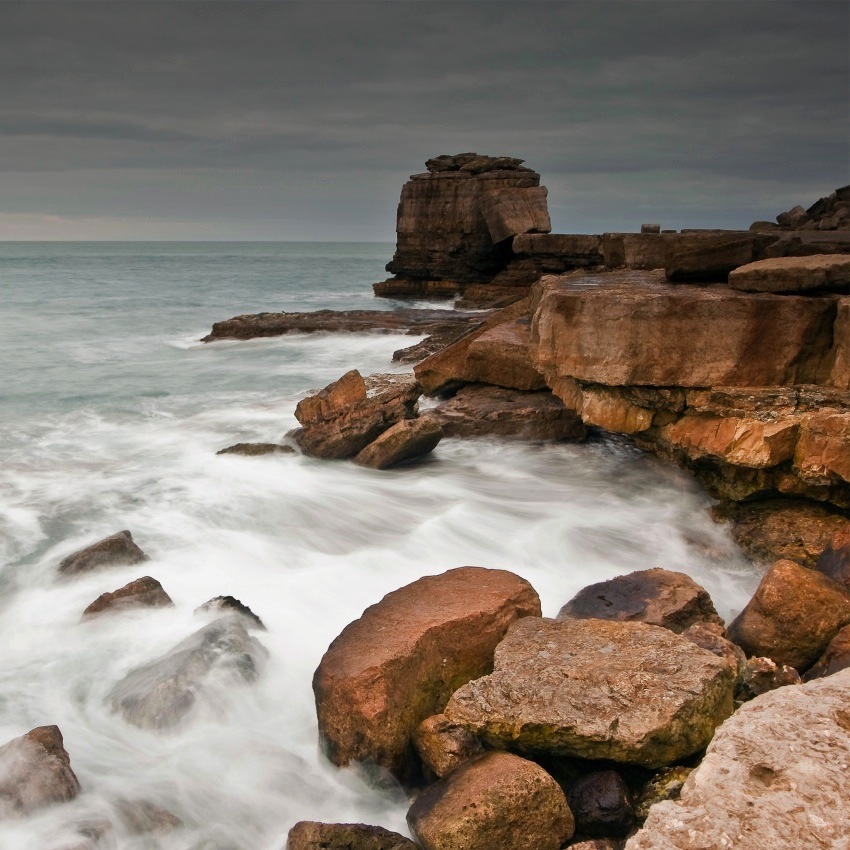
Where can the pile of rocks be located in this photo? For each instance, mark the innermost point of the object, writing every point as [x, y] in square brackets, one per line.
[829, 213]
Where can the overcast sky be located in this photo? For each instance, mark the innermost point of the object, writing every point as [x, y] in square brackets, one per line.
[286, 120]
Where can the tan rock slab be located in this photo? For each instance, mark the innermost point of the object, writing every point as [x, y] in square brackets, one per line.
[794, 274]
[823, 451]
[596, 689]
[495, 802]
[403, 658]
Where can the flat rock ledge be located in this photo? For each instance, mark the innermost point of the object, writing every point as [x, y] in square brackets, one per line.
[596, 689]
[776, 776]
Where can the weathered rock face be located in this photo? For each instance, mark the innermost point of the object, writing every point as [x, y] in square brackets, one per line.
[442, 746]
[479, 410]
[257, 449]
[144, 592]
[711, 636]
[774, 776]
[595, 689]
[310, 835]
[35, 770]
[601, 804]
[658, 597]
[711, 255]
[836, 657]
[347, 415]
[399, 662]
[408, 439]
[834, 561]
[761, 675]
[161, 694]
[118, 550]
[794, 274]
[792, 617]
[494, 802]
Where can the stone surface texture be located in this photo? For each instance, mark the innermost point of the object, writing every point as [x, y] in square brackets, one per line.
[494, 802]
[834, 561]
[596, 689]
[145, 592]
[442, 746]
[408, 439]
[775, 776]
[794, 274]
[311, 835]
[118, 550]
[836, 657]
[403, 658]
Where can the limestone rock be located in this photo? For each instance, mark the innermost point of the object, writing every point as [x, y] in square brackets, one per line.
[834, 561]
[794, 274]
[402, 659]
[256, 449]
[761, 675]
[835, 657]
[494, 802]
[35, 770]
[775, 776]
[161, 694]
[118, 550]
[711, 255]
[442, 746]
[144, 592]
[658, 597]
[792, 617]
[601, 804]
[310, 835]
[408, 439]
[231, 605]
[479, 410]
[347, 415]
[596, 689]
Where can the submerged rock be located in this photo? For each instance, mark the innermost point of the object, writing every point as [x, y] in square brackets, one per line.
[161, 694]
[311, 835]
[595, 689]
[141, 817]
[257, 449]
[402, 659]
[118, 550]
[498, 800]
[145, 592]
[35, 771]
[408, 439]
[231, 605]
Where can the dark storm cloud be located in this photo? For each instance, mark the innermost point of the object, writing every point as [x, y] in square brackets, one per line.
[296, 119]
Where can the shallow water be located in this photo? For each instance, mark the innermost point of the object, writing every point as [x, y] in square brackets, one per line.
[111, 416]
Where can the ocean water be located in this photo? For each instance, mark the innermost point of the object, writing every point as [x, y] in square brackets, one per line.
[111, 412]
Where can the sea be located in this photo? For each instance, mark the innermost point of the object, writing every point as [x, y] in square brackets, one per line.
[111, 414]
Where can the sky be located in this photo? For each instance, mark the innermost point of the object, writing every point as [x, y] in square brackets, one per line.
[301, 121]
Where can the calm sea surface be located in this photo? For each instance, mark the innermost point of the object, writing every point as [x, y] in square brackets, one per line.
[111, 412]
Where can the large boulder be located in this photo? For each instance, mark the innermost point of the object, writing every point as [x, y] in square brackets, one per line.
[163, 693]
[408, 439]
[658, 597]
[494, 802]
[480, 410]
[35, 770]
[775, 776]
[117, 550]
[793, 615]
[311, 835]
[403, 658]
[595, 689]
[145, 592]
[794, 274]
[347, 415]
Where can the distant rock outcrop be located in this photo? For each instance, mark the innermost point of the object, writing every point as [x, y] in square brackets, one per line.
[829, 213]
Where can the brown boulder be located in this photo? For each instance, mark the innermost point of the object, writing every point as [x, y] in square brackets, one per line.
[402, 659]
[495, 802]
[35, 770]
[711, 255]
[601, 804]
[311, 835]
[442, 746]
[144, 592]
[347, 415]
[792, 617]
[408, 439]
[119, 550]
[658, 597]
[711, 636]
[835, 657]
[479, 410]
[596, 689]
[256, 449]
[794, 274]
[834, 561]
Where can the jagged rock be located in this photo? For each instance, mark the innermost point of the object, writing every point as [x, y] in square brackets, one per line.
[494, 802]
[118, 550]
[794, 274]
[144, 592]
[161, 694]
[311, 835]
[479, 410]
[792, 617]
[402, 659]
[141, 817]
[665, 785]
[256, 449]
[711, 255]
[761, 675]
[595, 689]
[442, 746]
[712, 636]
[35, 771]
[829, 213]
[231, 605]
[408, 439]
[835, 657]
[601, 804]
[347, 415]
[658, 597]
[774, 776]
[834, 561]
